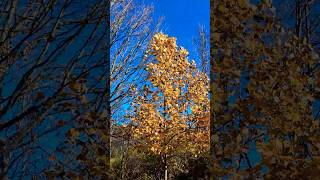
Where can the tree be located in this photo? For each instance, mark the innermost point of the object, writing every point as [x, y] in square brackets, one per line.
[202, 44]
[232, 47]
[171, 118]
[265, 83]
[131, 28]
[292, 130]
[54, 82]
[304, 14]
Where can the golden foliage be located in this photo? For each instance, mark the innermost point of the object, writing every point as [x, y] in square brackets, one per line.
[172, 115]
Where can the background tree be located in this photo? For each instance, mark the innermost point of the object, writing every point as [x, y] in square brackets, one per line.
[263, 89]
[132, 27]
[229, 54]
[54, 81]
[293, 132]
[304, 17]
[202, 47]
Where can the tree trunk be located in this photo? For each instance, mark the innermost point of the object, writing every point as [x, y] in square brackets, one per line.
[166, 173]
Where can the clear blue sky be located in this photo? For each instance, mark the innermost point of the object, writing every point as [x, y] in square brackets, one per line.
[182, 19]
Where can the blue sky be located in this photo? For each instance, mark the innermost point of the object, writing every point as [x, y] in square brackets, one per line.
[182, 19]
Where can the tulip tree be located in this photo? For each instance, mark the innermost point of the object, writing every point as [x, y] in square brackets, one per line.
[171, 117]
